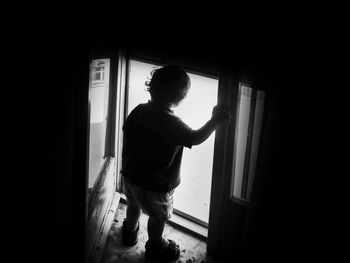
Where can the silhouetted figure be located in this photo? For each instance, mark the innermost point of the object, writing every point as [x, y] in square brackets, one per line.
[154, 138]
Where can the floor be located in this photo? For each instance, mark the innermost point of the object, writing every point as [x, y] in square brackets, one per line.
[192, 249]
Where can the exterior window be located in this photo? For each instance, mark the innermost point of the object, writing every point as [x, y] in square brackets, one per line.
[192, 196]
[98, 70]
[248, 126]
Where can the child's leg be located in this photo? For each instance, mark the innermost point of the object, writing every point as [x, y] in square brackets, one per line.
[133, 212]
[162, 207]
[159, 207]
[155, 228]
[157, 247]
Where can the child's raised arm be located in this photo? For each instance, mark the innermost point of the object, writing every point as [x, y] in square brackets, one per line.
[219, 115]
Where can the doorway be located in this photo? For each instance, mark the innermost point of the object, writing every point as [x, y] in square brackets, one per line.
[192, 196]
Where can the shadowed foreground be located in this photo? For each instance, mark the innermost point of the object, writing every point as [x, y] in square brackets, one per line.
[192, 249]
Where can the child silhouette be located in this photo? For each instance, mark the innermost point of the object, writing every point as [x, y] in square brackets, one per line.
[154, 138]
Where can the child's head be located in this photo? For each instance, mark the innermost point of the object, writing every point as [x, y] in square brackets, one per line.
[168, 85]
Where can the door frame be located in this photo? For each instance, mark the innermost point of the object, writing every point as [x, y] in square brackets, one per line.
[226, 216]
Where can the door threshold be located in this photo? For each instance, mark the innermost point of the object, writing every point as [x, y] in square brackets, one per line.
[189, 226]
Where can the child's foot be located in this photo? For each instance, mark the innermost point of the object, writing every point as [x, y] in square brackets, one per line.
[129, 238]
[167, 251]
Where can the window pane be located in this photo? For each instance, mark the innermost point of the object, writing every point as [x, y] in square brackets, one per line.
[98, 100]
[248, 127]
[97, 76]
[241, 139]
[98, 69]
[193, 195]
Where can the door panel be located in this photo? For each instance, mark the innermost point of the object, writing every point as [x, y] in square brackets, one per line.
[234, 167]
[98, 101]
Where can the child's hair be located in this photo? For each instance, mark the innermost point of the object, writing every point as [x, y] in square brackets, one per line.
[168, 84]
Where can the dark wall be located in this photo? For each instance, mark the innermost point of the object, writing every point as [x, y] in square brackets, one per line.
[266, 232]
[49, 138]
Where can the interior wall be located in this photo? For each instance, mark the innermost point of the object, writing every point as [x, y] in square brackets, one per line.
[51, 135]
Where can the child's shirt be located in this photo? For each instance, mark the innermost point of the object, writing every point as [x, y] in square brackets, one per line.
[153, 146]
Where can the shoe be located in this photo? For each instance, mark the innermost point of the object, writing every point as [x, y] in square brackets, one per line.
[130, 238]
[170, 253]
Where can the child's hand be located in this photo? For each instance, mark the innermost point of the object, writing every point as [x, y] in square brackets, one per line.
[221, 114]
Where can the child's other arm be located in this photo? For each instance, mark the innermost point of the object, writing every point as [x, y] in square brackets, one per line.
[218, 116]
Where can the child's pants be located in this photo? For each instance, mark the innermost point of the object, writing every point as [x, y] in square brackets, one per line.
[159, 206]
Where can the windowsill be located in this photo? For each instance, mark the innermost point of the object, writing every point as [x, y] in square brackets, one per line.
[189, 226]
[183, 224]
